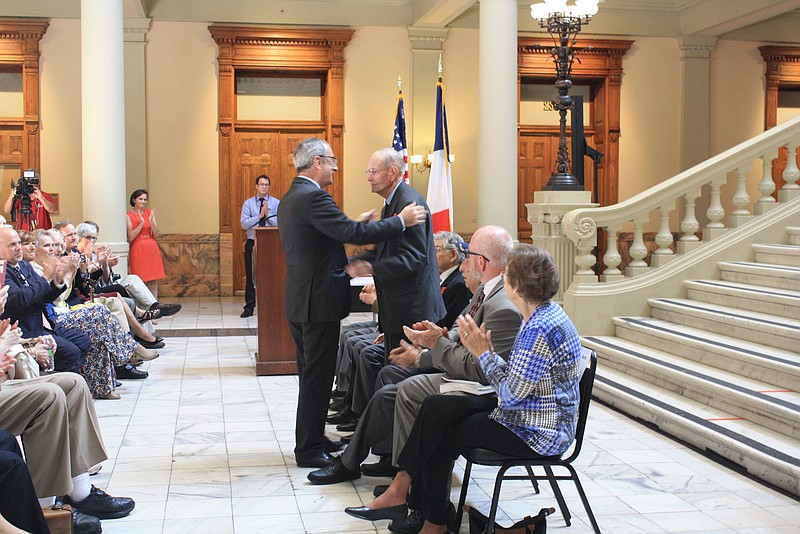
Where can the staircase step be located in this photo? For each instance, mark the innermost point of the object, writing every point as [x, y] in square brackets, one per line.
[794, 235]
[767, 455]
[763, 404]
[752, 360]
[762, 274]
[778, 254]
[780, 302]
[771, 330]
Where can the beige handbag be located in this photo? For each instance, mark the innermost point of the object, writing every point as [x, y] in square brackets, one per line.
[26, 366]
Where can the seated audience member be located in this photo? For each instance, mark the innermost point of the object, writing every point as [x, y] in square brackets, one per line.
[132, 283]
[55, 417]
[46, 248]
[535, 411]
[29, 293]
[18, 503]
[455, 292]
[391, 411]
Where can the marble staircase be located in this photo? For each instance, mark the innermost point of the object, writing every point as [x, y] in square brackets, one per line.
[720, 368]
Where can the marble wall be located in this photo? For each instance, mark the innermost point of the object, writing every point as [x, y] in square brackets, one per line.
[192, 264]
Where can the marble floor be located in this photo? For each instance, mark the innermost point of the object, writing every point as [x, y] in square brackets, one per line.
[205, 446]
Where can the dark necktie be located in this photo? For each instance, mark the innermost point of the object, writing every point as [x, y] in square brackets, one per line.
[19, 274]
[263, 220]
[386, 212]
[477, 305]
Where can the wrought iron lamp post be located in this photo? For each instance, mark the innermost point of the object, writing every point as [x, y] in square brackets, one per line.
[563, 23]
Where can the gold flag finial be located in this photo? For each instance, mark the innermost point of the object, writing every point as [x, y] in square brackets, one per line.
[440, 64]
[399, 83]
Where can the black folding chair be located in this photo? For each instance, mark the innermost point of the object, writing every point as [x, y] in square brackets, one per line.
[491, 458]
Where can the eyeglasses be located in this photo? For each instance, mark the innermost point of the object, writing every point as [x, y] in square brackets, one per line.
[334, 160]
[90, 237]
[463, 247]
[265, 184]
[372, 172]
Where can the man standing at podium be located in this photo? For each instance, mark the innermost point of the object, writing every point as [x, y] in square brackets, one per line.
[260, 210]
[317, 292]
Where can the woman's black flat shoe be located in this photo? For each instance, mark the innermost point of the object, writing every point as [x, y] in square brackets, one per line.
[395, 513]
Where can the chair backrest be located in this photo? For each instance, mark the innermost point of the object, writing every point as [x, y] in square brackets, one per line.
[585, 392]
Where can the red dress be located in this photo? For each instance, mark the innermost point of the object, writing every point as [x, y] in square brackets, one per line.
[145, 257]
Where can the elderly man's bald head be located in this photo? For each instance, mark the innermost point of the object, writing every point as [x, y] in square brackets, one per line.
[10, 247]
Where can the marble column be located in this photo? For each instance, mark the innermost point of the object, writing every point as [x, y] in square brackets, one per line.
[695, 98]
[497, 102]
[103, 120]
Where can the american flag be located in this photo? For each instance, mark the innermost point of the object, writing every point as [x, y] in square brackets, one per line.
[399, 139]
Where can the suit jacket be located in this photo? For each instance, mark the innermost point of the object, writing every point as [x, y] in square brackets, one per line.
[312, 231]
[405, 271]
[455, 295]
[26, 301]
[499, 315]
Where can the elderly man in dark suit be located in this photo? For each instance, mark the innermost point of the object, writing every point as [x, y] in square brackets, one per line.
[405, 269]
[317, 288]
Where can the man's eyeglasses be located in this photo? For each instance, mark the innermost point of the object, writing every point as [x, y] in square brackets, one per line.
[334, 160]
[263, 184]
[463, 247]
[372, 172]
[91, 237]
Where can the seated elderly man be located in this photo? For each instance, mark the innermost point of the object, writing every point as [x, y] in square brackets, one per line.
[56, 419]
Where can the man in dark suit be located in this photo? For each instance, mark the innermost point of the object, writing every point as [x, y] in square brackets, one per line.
[405, 269]
[28, 293]
[317, 292]
[455, 293]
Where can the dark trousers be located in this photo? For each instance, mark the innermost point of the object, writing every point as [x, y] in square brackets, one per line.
[374, 429]
[446, 426]
[370, 361]
[249, 288]
[71, 349]
[316, 344]
[18, 502]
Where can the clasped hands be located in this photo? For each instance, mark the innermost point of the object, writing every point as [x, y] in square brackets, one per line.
[424, 334]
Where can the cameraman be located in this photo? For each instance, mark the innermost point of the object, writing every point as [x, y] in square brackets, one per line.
[41, 204]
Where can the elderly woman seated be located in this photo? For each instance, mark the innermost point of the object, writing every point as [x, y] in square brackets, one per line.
[535, 411]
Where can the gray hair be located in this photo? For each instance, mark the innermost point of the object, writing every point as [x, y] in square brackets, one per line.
[46, 233]
[86, 230]
[61, 224]
[450, 239]
[392, 158]
[306, 150]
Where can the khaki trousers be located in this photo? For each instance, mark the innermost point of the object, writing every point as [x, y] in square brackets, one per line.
[55, 416]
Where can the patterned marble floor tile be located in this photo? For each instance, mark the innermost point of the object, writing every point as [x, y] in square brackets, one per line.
[258, 524]
[179, 508]
[125, 526]
[199, 525]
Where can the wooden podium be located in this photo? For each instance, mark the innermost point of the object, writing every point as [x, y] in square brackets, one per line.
[276, 353]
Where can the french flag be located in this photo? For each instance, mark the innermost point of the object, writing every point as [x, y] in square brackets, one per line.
[440, 185]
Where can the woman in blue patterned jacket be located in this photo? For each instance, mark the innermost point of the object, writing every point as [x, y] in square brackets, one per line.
[536, 407]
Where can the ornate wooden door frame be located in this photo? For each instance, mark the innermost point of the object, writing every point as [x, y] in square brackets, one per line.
[301, 51]
[600, 64]
[19, 47]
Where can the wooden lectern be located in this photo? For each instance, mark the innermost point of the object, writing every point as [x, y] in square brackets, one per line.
[276, 350]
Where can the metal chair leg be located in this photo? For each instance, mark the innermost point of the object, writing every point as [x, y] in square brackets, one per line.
[562, 504]
[534, 482]
[463, 497]
[585, 500]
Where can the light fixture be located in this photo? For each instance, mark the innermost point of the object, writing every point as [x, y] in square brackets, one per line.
[563, 23]
[422, 163]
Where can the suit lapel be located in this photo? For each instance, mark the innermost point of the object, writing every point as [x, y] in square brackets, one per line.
[479, 314]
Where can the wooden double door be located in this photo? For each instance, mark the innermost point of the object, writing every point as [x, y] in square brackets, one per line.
[258, 152]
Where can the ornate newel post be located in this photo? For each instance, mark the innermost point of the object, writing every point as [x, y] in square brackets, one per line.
[546, 216]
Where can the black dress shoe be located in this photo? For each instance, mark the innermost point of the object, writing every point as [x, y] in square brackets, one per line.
[383, 468]
[411, 524]
[322, 459]
[130, 372]
[101, 505]
[167, 309]
[342, 417]
[336, 405]
[333, 446]
[380, 489]
[85, 524]
[395, 513]
[334, 473]
[246, 313]
[347, 427]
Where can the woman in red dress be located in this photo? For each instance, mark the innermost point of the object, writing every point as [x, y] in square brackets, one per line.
[145, 256]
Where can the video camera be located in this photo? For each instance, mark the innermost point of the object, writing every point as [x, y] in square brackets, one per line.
[25, 187]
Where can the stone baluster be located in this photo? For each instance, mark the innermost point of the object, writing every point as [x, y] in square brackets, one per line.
[741, 200]
[638, 251]
[689, 224]
[612, 257]
[767, 185]
[664, 239]
[715, 212]
[585, 260]
[791, 174]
